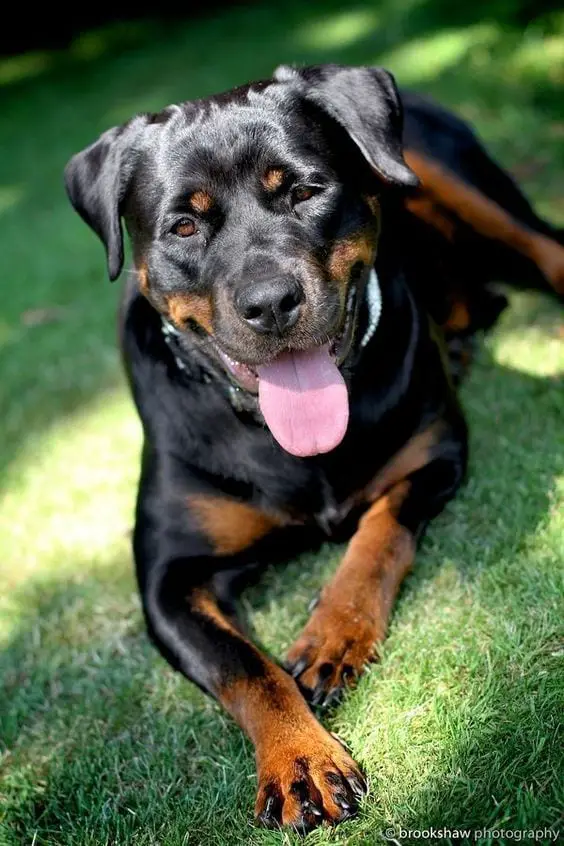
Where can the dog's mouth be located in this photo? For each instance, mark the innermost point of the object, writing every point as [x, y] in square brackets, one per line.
[247, 377]
[302, 394]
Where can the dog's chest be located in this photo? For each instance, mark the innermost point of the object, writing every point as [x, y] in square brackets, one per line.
[329, 494]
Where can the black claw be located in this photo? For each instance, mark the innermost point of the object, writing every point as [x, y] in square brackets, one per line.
[311, 815]
[333, 697]
[270, 803]
[320, 691]
[313, 604]
[342, 803]
[310, 808]
[298, 668]
[358, 786]
[348, 672]
[270, 817]
[318, 696]
[346, 803]
[304, 825]
[340, 740]
[310, 818]
[267, 820]
[307, 693]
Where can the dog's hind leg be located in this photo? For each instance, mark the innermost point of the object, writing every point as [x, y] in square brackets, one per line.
[446, 201]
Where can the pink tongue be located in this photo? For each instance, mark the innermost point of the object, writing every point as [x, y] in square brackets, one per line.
[304, 401]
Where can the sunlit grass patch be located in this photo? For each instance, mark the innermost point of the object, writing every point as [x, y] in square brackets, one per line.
[338, 30]
[422, 59]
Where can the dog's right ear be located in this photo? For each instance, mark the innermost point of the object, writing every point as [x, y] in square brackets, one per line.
[97, 180]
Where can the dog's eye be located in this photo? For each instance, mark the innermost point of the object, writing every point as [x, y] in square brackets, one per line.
[184, 228]
[303, 193]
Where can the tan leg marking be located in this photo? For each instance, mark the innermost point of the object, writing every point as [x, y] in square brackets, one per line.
[410, 458]
[305, 776]
[352, 615]
[443, 195]
[230, 525]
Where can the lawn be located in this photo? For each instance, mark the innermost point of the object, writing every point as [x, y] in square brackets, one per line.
[460, 725]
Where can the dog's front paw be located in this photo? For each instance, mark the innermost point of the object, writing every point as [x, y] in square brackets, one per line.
[305, 779]
[332, 651]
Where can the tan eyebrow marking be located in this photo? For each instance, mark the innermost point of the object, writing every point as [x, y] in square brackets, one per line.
[201, 201]
[273, 178]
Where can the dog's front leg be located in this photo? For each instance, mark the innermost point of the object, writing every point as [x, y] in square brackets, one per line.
[304, 775]
[351, 617]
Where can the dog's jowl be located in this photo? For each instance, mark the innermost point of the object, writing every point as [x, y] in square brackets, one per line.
[313, 254]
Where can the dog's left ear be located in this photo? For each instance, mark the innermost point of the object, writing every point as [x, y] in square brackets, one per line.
[365, 102]
[97, 179]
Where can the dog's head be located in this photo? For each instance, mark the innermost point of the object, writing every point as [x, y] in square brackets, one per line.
[254, 219]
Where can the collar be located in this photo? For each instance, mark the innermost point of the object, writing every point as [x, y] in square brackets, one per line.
[237, 395]
[374, 303]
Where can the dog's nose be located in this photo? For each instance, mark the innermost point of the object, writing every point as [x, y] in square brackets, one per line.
[270, 307]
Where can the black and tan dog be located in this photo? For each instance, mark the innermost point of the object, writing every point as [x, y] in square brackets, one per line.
[304, 258]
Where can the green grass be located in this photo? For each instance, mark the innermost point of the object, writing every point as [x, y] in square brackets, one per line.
[460, 724]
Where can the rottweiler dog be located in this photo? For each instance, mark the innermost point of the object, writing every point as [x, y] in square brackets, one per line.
[313, 255]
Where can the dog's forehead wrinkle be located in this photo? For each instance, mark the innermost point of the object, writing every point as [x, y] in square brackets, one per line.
[229, 134]
[226, 151]
[237, 118]
[175, 137]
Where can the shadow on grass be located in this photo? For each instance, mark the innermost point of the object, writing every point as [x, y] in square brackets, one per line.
[104, 741]
[107, 744]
